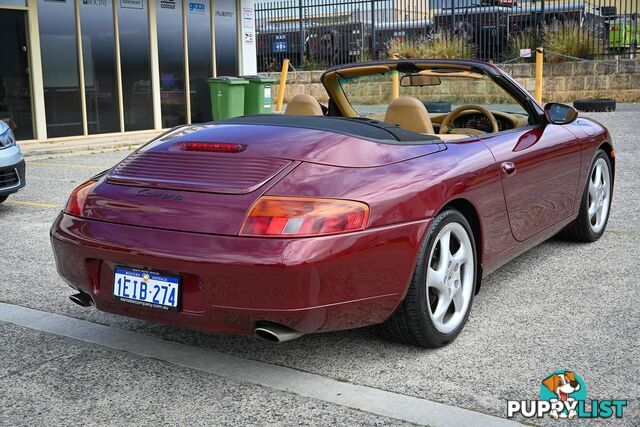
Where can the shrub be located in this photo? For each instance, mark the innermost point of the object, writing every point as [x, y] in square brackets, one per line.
[568, 38]
[365, 55]
[522, 40]
[440, 46]
[447, 47]
[406, 48]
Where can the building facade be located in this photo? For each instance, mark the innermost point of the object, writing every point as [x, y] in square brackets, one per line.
[86, 67]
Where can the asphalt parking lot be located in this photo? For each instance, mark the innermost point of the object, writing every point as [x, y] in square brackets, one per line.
[559, 306]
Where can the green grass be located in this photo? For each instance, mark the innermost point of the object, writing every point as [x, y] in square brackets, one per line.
[568, 38]
[441, 46]
[522, 40]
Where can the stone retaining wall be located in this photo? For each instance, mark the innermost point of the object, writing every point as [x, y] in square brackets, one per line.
[563, 82]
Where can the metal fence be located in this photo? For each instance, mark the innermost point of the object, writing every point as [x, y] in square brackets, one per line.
[315, 34]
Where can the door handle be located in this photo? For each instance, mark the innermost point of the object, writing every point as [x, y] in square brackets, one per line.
[508, 168]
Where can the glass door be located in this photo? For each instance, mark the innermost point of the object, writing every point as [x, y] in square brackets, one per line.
[15, 86]
[226, 28]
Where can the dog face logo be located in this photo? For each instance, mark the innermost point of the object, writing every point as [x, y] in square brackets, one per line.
[563, 386]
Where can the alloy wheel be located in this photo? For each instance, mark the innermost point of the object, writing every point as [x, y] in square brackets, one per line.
[599, 195]
[450, 276]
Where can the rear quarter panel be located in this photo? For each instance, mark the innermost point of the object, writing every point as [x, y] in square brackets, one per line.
[416, 189]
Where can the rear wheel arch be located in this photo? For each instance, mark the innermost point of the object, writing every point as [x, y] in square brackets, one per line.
[469, 211]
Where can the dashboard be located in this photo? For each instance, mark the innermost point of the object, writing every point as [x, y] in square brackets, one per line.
[481, 122]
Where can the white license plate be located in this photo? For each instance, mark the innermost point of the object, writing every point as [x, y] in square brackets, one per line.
[146, 288]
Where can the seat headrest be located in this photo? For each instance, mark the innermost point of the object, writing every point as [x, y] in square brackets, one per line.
[303, 105]
[409, 113]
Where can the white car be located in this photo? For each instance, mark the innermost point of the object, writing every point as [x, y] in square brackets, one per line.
[12, 167]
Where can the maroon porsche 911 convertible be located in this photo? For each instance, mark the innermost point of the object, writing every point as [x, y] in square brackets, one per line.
[367, 210]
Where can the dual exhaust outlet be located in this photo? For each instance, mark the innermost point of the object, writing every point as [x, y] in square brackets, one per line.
[267, 331]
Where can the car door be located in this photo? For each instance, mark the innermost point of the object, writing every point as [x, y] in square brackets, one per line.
[540, 167]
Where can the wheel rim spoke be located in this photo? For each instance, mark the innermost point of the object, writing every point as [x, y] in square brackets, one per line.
[460, 256]
[593, 190]
[445, 251]
[441, 309]
[598, 175]
[458, 300]
[435, 279]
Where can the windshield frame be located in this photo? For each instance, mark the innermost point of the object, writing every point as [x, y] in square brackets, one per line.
[497, 75]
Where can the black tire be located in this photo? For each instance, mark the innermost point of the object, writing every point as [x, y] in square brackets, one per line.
[595, 105]
[411, 323]
[3, 198]
[580, 230]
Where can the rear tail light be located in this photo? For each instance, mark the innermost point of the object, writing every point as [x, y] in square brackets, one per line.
[274, 216]
[75, 204]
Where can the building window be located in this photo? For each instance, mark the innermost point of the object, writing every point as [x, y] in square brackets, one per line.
[226, 28]
[133, 24]
[199, 32]
[19, 3]
[15, 86]
[58, 51]
[98, 52]
[171, 61]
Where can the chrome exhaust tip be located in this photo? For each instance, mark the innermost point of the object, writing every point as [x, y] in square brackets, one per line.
[275, 333]
[82, 299]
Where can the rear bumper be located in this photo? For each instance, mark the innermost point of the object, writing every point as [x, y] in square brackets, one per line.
[229, 283]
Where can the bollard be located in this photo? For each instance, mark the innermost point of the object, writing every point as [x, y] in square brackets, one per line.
[283, 83]
[395, 93]
[539, 59]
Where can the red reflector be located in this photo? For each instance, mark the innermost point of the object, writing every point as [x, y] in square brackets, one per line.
[220, 147]
[273, 216]
[75, 204]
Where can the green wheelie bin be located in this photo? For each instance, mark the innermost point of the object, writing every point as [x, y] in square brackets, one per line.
[227, 97]
[257, 96]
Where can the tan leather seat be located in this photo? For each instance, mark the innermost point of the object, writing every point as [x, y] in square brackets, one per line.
[409, 113]
[303, 105]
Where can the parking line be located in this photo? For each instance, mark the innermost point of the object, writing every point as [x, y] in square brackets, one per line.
[67, 165]
[40, 205]
[367, 399]
[48, 178]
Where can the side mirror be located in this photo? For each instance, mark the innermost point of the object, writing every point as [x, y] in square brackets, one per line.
[560, 114]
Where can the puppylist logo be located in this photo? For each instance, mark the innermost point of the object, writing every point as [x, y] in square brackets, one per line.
[563, 395]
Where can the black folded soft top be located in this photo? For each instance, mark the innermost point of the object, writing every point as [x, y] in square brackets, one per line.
[363, 128]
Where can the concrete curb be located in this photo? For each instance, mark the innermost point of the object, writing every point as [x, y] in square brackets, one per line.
[372, 400]
[53, 149]
[91, 143]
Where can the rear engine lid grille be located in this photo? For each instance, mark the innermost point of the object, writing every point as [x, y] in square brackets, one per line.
[196, 171]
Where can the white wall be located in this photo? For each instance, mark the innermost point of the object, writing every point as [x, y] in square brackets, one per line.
[247, 38]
